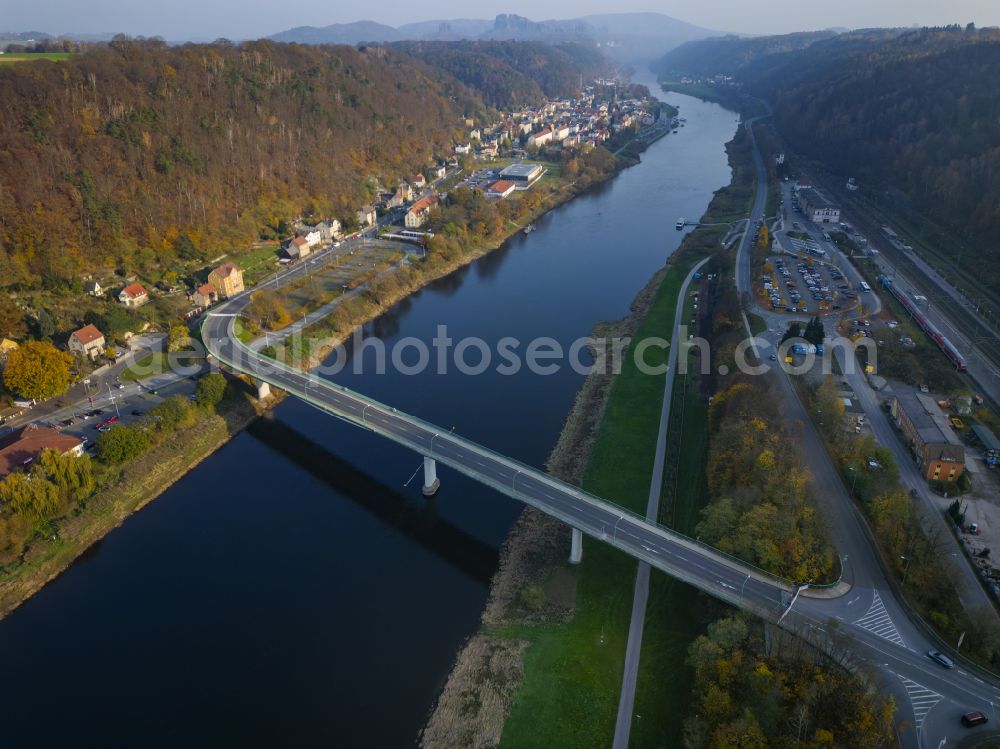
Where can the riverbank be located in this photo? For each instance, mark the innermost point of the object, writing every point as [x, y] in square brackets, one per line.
[559, 630]
[145, 479]
[135, 486]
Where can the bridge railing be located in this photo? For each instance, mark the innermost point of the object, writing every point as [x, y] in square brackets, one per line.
[322, 383]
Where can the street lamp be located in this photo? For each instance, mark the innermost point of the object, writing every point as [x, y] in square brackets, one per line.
[906, 569]
[854, 479]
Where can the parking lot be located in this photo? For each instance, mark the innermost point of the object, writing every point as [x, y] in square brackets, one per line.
[480, 179]
[805, 286]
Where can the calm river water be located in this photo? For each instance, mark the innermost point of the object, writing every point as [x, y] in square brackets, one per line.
[291, 590]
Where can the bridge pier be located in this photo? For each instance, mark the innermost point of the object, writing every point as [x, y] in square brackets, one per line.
[431, 482]
[263, 390]
[576, 547]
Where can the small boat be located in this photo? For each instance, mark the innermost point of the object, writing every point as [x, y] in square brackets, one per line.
[529, 228]
[680, 224]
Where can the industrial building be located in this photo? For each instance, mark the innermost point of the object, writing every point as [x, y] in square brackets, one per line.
[938, 452]
[523, 175]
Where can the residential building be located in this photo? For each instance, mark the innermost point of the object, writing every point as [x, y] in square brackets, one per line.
[420, 211]
[440, 171]
[19, 448]
[367, 216]
[133, 295]
[311, 235]
[463, 149]
[93, 288]
[6, 346]
[500, 189]
[475, 135]
[297, 248]
[522, 174]
[817, 208]
[205, 295]
[87, 341]
[540, 138]
[228, 279]
[418, 181]
[939, 454]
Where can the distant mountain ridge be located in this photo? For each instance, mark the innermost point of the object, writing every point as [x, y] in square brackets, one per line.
[627, 37]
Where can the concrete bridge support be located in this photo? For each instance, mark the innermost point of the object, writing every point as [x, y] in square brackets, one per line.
[263, 390]
[431, 481]
[576, 547]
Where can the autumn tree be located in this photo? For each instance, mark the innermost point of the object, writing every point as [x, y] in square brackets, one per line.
[37, 370]
[210, 390]
[177, 338]
[121, 444]
[12, 323]
[266, 311]
[37, 500]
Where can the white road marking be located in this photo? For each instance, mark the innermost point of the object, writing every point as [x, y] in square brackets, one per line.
[877, 621]
[922, 700]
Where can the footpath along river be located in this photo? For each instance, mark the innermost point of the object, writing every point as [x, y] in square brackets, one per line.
[290, 590]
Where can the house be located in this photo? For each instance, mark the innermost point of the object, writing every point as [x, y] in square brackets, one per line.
[463, 149]
[93, 288]
[367, 216]
[133, 295]
[19, 448]
[817, 208]
[540, 138]
[500, 189]
[475, 135]
[228, 279]
[560, 133]
[440, 171]
[328, 230]
[311, 235]
[420, 211]
[205, 295]
[418, 181]
[87, 341]
[297, 248]
[940, 455]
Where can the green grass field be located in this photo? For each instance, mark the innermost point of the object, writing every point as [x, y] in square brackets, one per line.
[569, 696]
[12, 57]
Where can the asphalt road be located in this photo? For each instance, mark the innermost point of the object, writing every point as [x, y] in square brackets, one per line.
[640, 595]
[869, 624]
[862, 621]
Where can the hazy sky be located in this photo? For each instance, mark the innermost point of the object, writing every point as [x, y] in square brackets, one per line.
[208, 19]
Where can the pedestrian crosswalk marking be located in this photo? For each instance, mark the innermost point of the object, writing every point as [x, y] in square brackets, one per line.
[877, 621]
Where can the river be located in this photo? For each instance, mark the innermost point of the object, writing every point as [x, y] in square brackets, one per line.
[292, 590]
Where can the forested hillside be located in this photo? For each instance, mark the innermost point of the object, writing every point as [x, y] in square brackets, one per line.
[917, 111]
[728, 55]
[514, 73]
[134, 153]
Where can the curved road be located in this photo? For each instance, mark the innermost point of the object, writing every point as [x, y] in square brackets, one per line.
[866, 627]
[870, 625]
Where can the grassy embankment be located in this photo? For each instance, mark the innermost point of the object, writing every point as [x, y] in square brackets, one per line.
[569, 695]
[12, 57]
[122, 491]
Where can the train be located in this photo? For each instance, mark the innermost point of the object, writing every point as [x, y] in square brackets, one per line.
[947, 347]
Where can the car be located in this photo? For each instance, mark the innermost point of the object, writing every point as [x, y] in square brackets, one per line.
[121, 386]
[104, 428]
[973, 719]
[773, 357]
[941, 658]
[136, 412]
